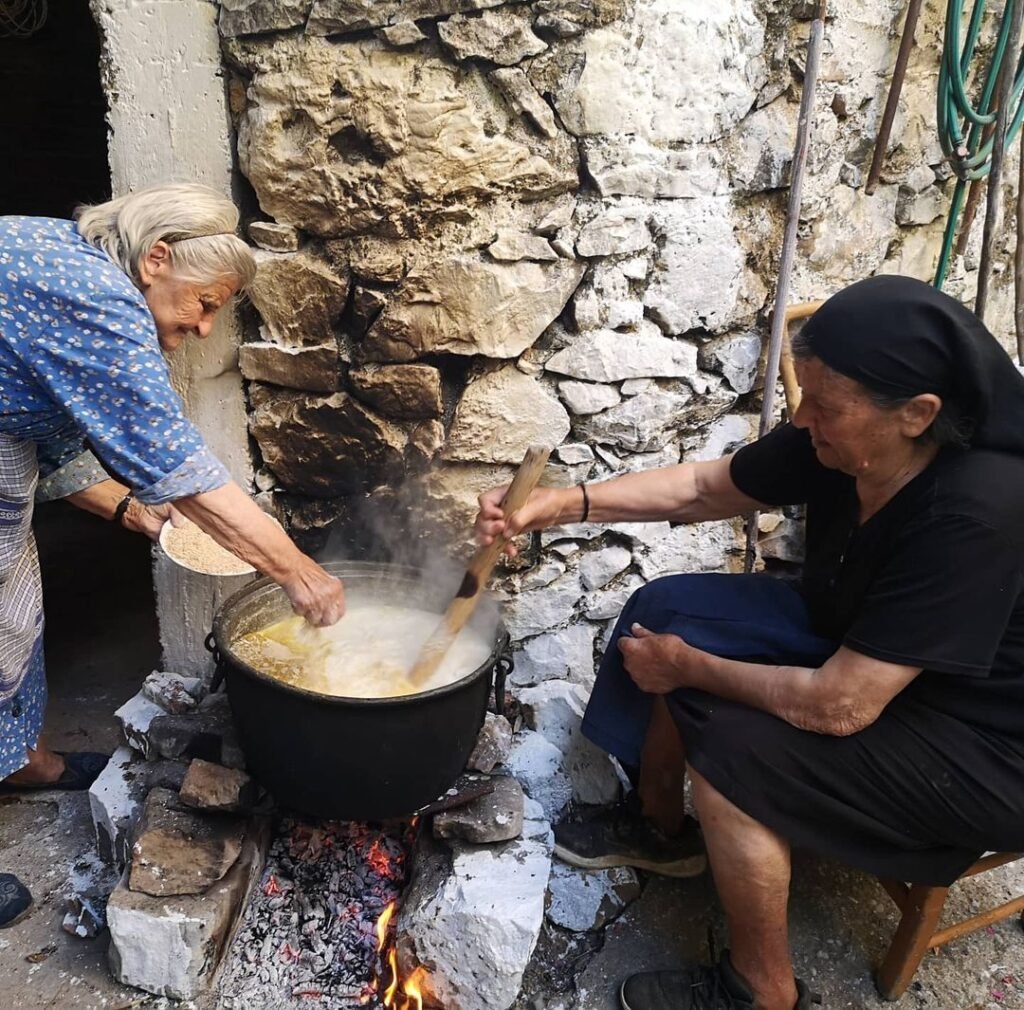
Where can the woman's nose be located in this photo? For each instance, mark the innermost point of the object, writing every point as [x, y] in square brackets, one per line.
[204, 327]
[800, 417]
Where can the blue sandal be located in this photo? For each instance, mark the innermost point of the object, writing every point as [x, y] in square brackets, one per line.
[15, 900]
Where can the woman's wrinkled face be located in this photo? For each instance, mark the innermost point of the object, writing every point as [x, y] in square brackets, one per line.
[848, 430]
[180, 307]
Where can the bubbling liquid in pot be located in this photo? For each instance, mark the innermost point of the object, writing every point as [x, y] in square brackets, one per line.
[367, 654]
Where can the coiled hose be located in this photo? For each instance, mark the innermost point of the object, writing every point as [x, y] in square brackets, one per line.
[967, 128]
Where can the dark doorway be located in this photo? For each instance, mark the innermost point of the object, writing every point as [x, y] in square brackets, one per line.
[101, 632]
[52, 116]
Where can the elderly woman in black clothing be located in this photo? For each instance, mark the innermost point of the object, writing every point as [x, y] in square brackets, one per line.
[874, 715]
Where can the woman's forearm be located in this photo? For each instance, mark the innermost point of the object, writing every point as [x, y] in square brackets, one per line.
[844, 695]
[237, 523]
[100, 499]
[686, 492]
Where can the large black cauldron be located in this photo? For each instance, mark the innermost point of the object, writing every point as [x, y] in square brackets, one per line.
[353, 758]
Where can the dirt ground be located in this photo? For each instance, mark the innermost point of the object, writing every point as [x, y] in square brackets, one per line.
[102, 642]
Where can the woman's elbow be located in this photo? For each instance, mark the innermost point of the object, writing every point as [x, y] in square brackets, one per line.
[838, 717]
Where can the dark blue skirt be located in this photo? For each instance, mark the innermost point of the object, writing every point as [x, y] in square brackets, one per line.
[901, 799]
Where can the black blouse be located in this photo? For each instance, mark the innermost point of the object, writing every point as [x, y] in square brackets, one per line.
[934, 579]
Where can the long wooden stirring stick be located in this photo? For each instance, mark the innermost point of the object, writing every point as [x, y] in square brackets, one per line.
[478, 571]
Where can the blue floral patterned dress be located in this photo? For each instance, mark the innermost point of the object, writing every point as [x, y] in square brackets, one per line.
[80, 367]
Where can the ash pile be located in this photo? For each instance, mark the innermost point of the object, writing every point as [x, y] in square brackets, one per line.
[309, 935]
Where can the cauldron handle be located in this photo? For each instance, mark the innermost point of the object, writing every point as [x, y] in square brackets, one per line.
[503, 666]
[218, 660]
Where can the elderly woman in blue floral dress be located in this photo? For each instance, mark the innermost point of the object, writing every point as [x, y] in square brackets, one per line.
[88, 414]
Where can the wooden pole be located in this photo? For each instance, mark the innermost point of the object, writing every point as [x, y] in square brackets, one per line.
[803, 134]
[478, 571]
[892, 103]
[994, 210]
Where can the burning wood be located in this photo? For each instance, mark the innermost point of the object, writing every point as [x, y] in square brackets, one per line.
[410, 997]
[315, 930]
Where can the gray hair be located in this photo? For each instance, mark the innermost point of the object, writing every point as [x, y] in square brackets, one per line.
[948, 428]
[196, 222]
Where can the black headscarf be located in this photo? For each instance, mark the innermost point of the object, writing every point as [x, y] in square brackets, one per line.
[901, 337]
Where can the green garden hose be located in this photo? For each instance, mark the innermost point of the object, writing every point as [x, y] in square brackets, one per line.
[966, 129]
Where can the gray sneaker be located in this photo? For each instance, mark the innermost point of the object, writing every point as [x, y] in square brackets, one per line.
[621, 837]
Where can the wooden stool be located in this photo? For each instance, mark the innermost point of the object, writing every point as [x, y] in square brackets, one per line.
[921, 907]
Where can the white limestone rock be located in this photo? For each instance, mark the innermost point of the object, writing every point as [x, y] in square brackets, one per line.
[172, 946]
[584, 398]
[613, 233]
[703, 548]
[760, 149]
[598, 568]
[567, 654]
[607, 603]
[649, 75]
[540, 610]
[844, 255]
[720, 437]
[542, 575]
[537, 763]
[173, 692]
[575, 452]
[633, 166]
[498, 36]
[135, 717]
[115, 799]
[501, 415]
[641, 423]
[511, 246]
[524, 99]
[736, 357]
[701, 278]
[468, 306]
[475, 922]
[555, 709]
[610, 356]
[917, 208]
[582, 900]
[633, 386]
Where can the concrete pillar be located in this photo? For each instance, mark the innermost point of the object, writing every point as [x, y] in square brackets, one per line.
[168, 117]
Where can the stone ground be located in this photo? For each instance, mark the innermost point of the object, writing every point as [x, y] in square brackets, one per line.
[102, 642]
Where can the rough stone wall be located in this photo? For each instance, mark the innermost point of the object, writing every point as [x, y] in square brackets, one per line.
[499, 222]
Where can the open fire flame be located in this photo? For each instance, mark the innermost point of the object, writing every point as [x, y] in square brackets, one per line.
[398, 994]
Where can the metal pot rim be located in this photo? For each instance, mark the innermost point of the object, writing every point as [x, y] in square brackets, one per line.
[356, 569]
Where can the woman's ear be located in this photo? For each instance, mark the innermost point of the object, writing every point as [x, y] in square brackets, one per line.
[918, 414]
[156, 261]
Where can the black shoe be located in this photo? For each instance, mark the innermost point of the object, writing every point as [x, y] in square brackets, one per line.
[15, 900]
[697, 988]
[621, 837]
[81, 769]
